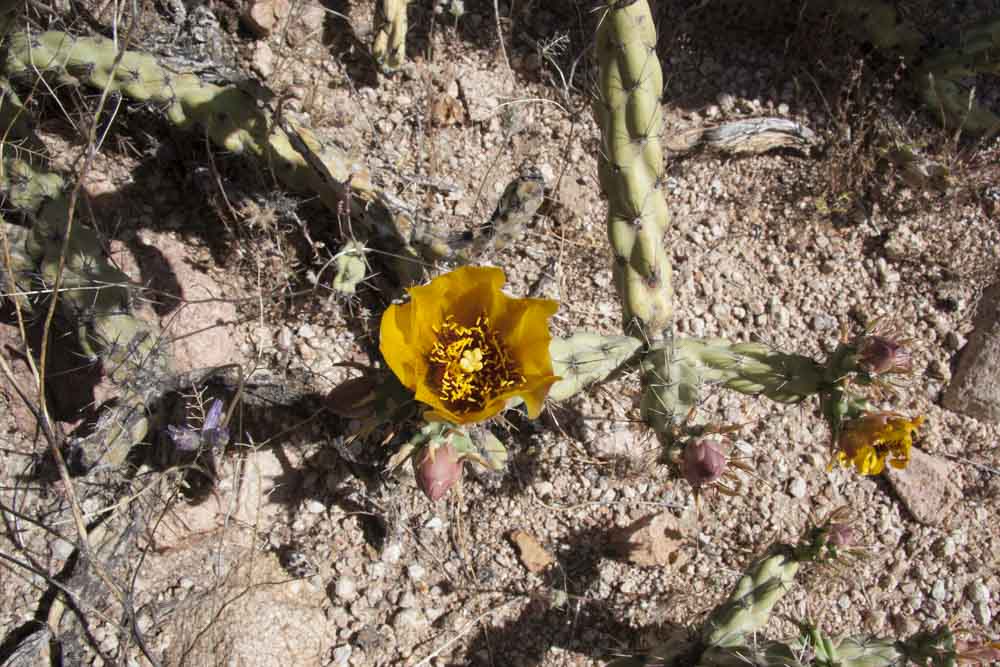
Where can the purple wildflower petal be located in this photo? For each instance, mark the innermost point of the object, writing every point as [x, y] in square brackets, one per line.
[185, 439]
[213, 417]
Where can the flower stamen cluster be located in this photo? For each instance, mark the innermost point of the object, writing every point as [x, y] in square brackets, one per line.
[470, 365]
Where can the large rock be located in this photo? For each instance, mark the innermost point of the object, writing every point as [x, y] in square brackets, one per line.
[928, 488]
[975, 388]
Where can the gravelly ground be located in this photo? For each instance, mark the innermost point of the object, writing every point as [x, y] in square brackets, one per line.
[301, 557]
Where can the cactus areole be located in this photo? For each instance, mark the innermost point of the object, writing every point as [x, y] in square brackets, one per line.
[465, 348]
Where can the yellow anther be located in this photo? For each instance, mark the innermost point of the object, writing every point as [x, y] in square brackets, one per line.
[470, 364]
[472, 360]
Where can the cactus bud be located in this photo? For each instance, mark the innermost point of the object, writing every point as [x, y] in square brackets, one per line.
[437, 469]
[879, 354]
[702, 462]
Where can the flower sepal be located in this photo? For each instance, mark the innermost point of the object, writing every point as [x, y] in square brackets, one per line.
[438, 452]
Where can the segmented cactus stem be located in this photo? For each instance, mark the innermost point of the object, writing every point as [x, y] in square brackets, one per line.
[630, 166]
[389, 44]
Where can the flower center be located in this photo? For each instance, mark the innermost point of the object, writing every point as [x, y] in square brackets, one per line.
[470, 365]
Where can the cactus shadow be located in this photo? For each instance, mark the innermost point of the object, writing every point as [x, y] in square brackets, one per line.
[543, 626]
[71, 378]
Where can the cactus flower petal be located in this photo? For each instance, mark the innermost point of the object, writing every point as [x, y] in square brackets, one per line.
[866, 442]
[465, 348]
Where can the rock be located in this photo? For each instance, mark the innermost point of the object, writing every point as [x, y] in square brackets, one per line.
[797, 488]
[259, 18]
[263, 16]
[652, 541]
[346, 588]
[927, 488]
[981, 611]
[533, 556]
[306, 23]
[392, 553]
[314, 506]
[263, 60]
[193, 306]
[342, 655]
[975, 388]
[408, 623]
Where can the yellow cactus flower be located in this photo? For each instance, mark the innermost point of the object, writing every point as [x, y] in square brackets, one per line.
[465, 348]
[866, 442]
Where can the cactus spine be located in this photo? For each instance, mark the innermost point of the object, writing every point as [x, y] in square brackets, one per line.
[389, 45]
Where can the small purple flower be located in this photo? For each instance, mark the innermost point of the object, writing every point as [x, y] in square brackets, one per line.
[212, 435]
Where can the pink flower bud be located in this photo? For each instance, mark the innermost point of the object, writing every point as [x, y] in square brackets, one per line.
[702, 462]
[878, 354]
[437, 469]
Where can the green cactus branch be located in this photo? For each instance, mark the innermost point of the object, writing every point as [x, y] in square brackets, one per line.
[234, 121]
[728, 637]
[630, 166]
[389, 43]
[936, 71]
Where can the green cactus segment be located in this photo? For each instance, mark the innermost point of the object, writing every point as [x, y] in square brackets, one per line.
[350, 268]
[935, 648]
[229, 115]
[749, 605]
[938, 72]
[759, 654]
[232, 119]
[749, 368]
[631, 166]
[586, 358]
[16, 265]
[938, 79]
[865, 652]
[389, 44]
[94, 296]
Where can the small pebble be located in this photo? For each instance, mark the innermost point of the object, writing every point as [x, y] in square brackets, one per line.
[342, 654]
[315, 507]
[392, 553]
[939, 592]
[408, 621]
[346, 588]
[797, 488]
[416, 572]
[982, 613]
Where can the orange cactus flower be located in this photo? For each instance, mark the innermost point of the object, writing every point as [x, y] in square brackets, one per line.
[465, 348]
[866, 442]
